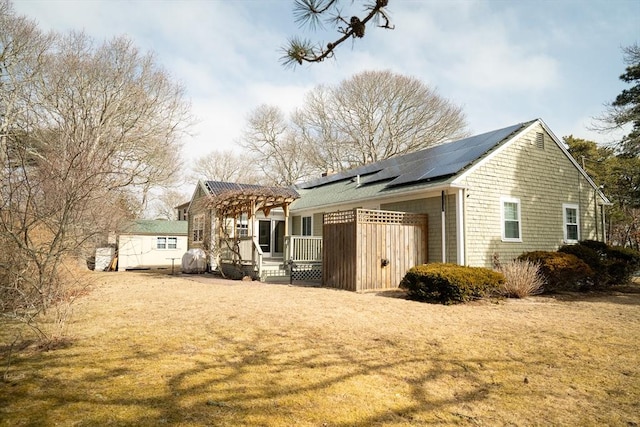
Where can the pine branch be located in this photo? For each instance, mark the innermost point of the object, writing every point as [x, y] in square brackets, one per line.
[300, 50]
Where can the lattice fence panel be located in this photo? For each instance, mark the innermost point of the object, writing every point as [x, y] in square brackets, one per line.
[366, 216]
[306, 273]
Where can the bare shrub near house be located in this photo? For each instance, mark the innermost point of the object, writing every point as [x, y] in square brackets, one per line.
[83, 127]
[522, 279]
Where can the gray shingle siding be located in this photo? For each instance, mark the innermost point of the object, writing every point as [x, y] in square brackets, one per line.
[543, 179]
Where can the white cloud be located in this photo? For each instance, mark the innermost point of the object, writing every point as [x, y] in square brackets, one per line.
[504, 62]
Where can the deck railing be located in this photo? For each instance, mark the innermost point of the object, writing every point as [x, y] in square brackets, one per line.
[303, 248]
[299, 249]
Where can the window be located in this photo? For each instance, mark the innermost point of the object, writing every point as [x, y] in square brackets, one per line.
[306, 226]
[161, 242]
[511, 229]
[242, 230]
[172, 243]
[198, 228]
[166, 242]
[571, 223]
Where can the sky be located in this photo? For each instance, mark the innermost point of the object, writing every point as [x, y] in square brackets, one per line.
[504, 62]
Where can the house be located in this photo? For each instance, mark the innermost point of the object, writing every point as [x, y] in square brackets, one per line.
[497, 194]
[145, 244]
[240, 224]
[181, 211]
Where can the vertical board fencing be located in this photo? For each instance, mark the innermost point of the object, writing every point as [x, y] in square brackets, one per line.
[371, 249]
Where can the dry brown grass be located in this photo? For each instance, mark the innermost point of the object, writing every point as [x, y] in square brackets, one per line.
[189, 351]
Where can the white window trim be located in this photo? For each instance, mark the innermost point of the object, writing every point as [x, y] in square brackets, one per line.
[166, 243]
[566, 206]
[198, 219]
[310, 225]
[504, 200]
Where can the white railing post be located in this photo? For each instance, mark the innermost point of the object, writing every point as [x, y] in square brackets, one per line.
[306, 248]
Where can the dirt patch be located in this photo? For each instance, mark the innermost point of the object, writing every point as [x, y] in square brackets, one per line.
[194, 350]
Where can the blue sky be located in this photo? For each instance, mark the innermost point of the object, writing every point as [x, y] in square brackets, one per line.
[503, 61]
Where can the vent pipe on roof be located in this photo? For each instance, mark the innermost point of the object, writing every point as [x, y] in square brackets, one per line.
[357, 179]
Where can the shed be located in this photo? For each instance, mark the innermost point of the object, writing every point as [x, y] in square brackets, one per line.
[145, 244]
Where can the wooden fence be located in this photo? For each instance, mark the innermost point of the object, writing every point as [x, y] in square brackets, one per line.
[371, 249]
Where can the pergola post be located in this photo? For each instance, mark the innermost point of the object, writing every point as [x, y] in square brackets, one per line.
[251, 220]
[287, 238]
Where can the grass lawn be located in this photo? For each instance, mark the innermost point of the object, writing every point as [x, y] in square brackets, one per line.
[153, 350]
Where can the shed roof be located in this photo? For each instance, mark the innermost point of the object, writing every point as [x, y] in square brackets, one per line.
[156, 227]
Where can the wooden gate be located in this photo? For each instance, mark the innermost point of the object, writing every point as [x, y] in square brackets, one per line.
[371, 249]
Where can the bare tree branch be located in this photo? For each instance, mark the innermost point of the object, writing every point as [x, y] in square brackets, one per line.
[373, 116]
[226, 166]
[274, 148]
[84, 129]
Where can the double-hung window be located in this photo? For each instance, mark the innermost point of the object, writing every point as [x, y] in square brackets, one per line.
[511, 222]
[166, 242]
[571, 222]
[172, 243]
[161, 242]
[198, 228]
[306, 226]
[242, 230]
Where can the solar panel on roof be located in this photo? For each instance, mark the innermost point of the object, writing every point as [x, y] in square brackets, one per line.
[449, 159]
[441, 160]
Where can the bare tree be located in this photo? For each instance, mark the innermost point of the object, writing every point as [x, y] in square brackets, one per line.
[84, 127]
[226, 166]
[163, 206]
[372, 116]
[313, 12]
[275, 149]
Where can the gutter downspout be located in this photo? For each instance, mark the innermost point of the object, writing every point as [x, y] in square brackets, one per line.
[604, 225]
[460, 232]
[443, 218]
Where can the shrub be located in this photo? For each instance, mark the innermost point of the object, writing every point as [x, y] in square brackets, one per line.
[593, 258]
[522, 278]
[621, 264]
[611, 265]
[450, 283]
[562, 271]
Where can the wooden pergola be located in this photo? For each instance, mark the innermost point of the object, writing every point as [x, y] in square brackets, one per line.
[230, 200]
